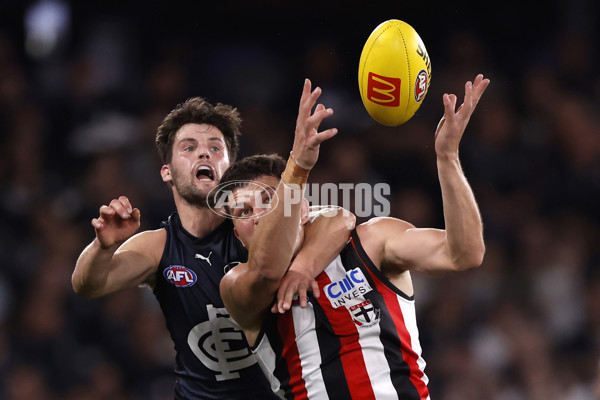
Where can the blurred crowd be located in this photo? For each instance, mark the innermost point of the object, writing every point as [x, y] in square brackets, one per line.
[77, 124]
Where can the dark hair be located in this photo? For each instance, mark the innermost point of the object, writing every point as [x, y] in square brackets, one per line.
[241, 172]
[252, 167]
[197, 110]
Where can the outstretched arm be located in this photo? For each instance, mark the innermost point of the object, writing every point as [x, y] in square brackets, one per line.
[116, 259]
[248, 289]
[460, 245]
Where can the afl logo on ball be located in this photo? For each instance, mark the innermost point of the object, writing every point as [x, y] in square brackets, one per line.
[180, 276]
[421, 85]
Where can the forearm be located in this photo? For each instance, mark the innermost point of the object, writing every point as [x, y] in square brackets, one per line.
[91, 272]
[463, 224]
[316, 253]
[276, 234]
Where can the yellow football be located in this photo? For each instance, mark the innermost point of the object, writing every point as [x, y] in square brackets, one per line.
[394, 73]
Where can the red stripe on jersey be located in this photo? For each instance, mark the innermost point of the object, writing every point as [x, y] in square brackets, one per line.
[285, 326]
[353, 363]
[408, 354]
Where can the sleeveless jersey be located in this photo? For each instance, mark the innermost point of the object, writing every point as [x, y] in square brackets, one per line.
[358, 340]
[213, 360]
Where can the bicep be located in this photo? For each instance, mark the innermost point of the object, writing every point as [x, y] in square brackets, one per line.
[136, 261]
[398, 246]
[423, 250]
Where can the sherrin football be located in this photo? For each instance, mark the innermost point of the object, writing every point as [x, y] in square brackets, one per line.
[394, 73]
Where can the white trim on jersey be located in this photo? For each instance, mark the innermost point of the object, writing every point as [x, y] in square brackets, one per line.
[308, 347]
[267, 364]
[410, 321]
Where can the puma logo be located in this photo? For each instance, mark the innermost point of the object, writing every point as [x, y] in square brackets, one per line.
[207, 258]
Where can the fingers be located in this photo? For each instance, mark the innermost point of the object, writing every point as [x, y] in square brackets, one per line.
[307, 102]
[308, 99]
[474, 91]
[302, 296]
[480, 81]
[315, 289]
[125, 202]
[468, 95]
[106, 211]
[305, 95]
[319, 115]
[279, 306]
[136, 215]
[310, 121]
[449, 106]
[286, 303]
[325, 135]
[479, 87]
[121, 207]
[315, 121]
[97, 223]
[294, 285]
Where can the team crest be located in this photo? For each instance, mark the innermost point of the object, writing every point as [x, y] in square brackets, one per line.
[219, 344]
[365, 313]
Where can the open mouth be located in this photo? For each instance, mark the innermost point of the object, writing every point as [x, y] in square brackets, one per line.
[205, 173]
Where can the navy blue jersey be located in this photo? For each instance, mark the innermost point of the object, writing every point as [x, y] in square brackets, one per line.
[212, 360]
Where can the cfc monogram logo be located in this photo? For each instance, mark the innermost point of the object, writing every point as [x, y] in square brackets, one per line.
[219, 344]
[383, 90]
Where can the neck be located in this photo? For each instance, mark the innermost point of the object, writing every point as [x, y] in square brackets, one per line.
[198, 221]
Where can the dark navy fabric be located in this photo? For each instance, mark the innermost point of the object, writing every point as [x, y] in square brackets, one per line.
[212, 360]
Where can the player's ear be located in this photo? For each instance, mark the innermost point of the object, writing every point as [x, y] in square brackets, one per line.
[238, 236]
[165, 173]
[304, 211]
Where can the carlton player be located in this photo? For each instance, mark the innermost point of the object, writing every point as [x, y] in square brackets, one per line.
[359, 338]
[184, 261]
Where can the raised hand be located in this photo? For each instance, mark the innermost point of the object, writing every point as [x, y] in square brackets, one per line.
[307, 138]
[117, 222]
[452, 125]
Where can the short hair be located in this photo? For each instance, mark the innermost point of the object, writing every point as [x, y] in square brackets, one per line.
[252, 167]
[240, 173]
[197, 110]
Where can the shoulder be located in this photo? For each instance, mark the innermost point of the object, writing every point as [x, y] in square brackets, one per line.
[382, 226]
[149, 237]
[150, 243]
[229, 281]
[376, 233]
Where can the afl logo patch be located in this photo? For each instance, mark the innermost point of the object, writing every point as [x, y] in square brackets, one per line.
[421, 85]
[180, 276]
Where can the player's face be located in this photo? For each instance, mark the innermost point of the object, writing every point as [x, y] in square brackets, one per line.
[199, 159]
[250, 204]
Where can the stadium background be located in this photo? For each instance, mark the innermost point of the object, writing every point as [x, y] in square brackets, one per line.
[83, 86]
